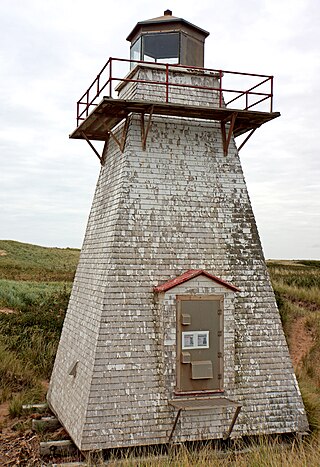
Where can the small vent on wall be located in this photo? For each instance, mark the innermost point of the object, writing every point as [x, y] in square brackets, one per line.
[73, 369]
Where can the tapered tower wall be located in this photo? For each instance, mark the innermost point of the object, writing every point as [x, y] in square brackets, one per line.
[181, 204]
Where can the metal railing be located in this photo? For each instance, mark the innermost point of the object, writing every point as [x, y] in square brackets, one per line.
[106, 78]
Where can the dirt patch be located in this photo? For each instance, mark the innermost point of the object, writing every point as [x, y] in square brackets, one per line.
[45, 384]
[19, 449]
[3, 253]
[311, 306]
[7, 311]
[4, 411]
[19, 445]
[301, 341]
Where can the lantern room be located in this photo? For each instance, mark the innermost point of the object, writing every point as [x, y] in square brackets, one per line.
[168, 39]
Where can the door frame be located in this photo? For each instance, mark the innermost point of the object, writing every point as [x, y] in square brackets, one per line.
[213, 297]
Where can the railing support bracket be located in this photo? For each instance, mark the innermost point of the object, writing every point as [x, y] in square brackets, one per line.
[227, 137]
[91, 146]
[122, 142]
[246, 139]
[145, 130]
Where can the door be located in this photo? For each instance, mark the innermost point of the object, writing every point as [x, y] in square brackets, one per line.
[199, 343]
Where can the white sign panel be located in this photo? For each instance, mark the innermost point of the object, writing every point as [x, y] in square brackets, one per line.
[195, 340]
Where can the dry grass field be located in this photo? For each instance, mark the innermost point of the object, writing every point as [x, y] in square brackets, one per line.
[35, 283]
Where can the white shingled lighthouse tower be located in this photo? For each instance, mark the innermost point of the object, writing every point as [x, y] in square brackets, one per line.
[172, 332]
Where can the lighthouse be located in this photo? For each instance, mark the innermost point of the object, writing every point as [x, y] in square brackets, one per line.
[172, 332]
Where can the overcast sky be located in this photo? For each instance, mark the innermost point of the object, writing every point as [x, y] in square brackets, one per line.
[51, 50]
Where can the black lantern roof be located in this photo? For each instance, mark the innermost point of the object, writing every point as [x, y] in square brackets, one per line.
[167, 22]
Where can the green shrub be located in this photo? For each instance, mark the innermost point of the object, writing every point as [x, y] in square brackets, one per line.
[34, 296]
[34, 333]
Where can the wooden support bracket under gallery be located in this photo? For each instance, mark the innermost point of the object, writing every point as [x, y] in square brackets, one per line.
[204, 404]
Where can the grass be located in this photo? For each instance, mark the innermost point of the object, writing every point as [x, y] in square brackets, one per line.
[22, 261]
[35, 284]
[26, 296]
[14, 375]
[297, 289]
[33, 331]
[261, 453]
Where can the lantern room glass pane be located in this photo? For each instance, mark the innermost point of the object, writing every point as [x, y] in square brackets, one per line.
[161, 48]
[135, 51]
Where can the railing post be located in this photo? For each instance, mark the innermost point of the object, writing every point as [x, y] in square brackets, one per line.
[247, 103]
[220, 90]
[78, 105]
[98, 85]
[110, 78]
[167, 83]
[87, 107]
[271, 100]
